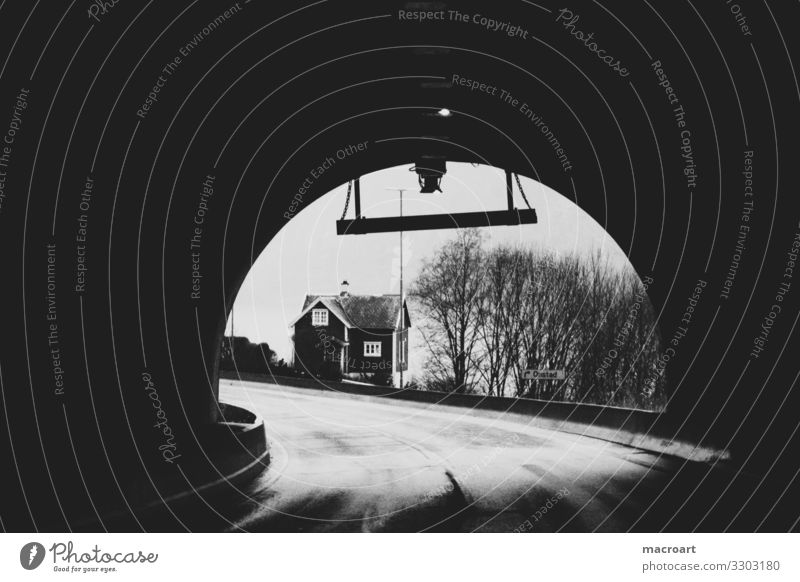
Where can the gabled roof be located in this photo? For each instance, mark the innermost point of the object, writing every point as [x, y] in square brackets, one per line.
[328, 301]
[360, 311]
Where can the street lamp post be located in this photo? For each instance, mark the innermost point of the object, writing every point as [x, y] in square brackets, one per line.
[402, 318]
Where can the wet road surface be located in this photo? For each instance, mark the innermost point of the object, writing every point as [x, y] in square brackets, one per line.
[346, 463]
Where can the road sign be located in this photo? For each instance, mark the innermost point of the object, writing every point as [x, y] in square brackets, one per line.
[544, 375]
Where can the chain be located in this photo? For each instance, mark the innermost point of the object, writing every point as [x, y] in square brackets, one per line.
[347, 201]
[521, 191]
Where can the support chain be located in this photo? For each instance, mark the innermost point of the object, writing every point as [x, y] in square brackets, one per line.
[521, 191]
[347, 201]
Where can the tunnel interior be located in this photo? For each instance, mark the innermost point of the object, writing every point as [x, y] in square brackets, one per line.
[187, 194]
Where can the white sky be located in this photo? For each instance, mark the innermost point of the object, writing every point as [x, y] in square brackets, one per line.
[307, 257]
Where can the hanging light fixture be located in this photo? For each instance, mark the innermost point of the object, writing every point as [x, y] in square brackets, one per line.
[430, 171]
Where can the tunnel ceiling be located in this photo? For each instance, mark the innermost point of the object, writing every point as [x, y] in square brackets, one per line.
[161, 142]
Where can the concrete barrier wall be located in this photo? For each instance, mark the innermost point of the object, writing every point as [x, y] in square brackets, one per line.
[652, 431]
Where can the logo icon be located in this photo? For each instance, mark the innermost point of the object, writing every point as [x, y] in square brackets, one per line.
[31, 555]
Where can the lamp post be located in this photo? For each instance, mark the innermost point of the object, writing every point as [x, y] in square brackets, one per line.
[402, 318]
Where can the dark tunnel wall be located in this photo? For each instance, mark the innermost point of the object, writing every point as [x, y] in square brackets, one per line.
[263, 99]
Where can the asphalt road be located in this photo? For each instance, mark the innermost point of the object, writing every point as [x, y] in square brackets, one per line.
[344, 463]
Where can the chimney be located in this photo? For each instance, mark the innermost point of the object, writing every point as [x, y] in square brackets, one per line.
[345, 289]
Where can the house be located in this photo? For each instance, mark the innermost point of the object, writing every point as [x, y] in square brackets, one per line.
[362, 336]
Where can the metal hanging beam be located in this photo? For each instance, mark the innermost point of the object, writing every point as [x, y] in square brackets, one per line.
[509, 191]
[512, 217]
[357, 195]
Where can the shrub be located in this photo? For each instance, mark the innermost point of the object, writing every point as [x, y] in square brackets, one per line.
[330, 371]
[412, 385]
[383, 379]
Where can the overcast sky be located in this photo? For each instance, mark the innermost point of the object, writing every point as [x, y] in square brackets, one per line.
[307, 257]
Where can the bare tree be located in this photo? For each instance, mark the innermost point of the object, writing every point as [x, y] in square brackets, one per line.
[504, 298]
[449, 290]
[490, 315]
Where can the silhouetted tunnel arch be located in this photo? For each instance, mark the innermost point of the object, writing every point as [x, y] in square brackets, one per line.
[381, 85]
[497, 202]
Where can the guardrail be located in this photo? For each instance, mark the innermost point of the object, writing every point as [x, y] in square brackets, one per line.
[652, 431]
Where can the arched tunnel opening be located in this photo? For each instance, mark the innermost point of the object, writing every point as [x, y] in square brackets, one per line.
[315, 325]
[559, 279]
[142, 190]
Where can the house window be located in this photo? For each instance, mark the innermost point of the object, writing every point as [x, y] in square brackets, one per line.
[319, 317]
[372, 349]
